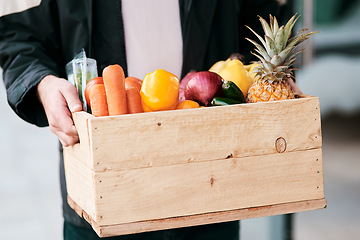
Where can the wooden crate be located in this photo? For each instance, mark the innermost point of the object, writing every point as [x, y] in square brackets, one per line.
[152, 171]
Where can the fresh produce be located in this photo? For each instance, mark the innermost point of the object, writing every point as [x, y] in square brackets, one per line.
[233, 70]
[187, 104]
[227, 82]
[223, 101]
[218, 66]
[133, 82]
[183, 83]
[251, 68]
[114, 82]
[92, 82]
[232, 91]
[98, 100]
[186, 79]
[159, 91]
[80, 70]
[221, 64]
[202, 87]
[277, 55]
[133, 100]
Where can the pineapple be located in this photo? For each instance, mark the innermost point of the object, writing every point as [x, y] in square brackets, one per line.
[277, 55]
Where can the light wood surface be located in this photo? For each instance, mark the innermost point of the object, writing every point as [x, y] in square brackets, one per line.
[152, 168]
[82, 149]
[201, 219]
[209, 186]
[79, 180]
[180, 136]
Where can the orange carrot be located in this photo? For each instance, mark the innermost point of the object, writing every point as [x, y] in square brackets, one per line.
[98, 100]
[133, 100]
[114, 81]
[133, 82]
[92, 82]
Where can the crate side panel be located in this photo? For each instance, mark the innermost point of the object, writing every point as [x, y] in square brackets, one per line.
[163, 138]
[202, 187]
[79, 180]
[81, 123]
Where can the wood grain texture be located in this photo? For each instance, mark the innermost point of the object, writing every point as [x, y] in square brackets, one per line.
[82, 149]
[201, 219]
[159, 170]
[79, 180]
[209, 186]
[163, 138]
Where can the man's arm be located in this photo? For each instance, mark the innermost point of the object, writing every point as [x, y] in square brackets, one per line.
[30, 53]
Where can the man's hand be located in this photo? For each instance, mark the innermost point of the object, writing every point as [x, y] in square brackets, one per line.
[60, 99]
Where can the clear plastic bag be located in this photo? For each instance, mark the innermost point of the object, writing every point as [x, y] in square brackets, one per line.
[79, 72]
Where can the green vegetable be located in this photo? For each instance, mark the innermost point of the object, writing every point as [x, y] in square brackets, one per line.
[232, 91]
[222, 101]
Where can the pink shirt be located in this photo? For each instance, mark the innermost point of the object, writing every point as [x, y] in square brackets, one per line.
[153, 36]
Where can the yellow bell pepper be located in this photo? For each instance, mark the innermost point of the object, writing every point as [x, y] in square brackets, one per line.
[159, 91]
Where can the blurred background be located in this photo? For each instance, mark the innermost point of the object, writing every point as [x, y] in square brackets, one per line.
[329, 70]
[29, 187]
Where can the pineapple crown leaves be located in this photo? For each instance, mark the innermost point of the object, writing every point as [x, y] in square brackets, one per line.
[281, 72]
[271, 76]
[277, 47]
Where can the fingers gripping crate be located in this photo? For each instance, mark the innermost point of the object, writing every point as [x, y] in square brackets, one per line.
[151, 171]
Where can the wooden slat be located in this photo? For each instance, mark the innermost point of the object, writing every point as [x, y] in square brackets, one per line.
[162, 138]
[207, 218]
[210, 186]
[239, 214]
[81, 124]
[79, 180]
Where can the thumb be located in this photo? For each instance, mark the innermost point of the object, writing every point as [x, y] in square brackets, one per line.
[72, 99]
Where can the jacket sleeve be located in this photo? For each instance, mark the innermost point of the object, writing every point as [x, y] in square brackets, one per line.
[29, 50]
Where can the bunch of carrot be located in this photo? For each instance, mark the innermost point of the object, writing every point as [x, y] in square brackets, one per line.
[113, 94]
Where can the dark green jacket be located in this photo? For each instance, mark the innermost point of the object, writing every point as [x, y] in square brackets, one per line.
[41, 40]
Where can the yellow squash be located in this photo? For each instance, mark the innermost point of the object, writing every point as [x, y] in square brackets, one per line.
[251, 68]
[233, 70]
